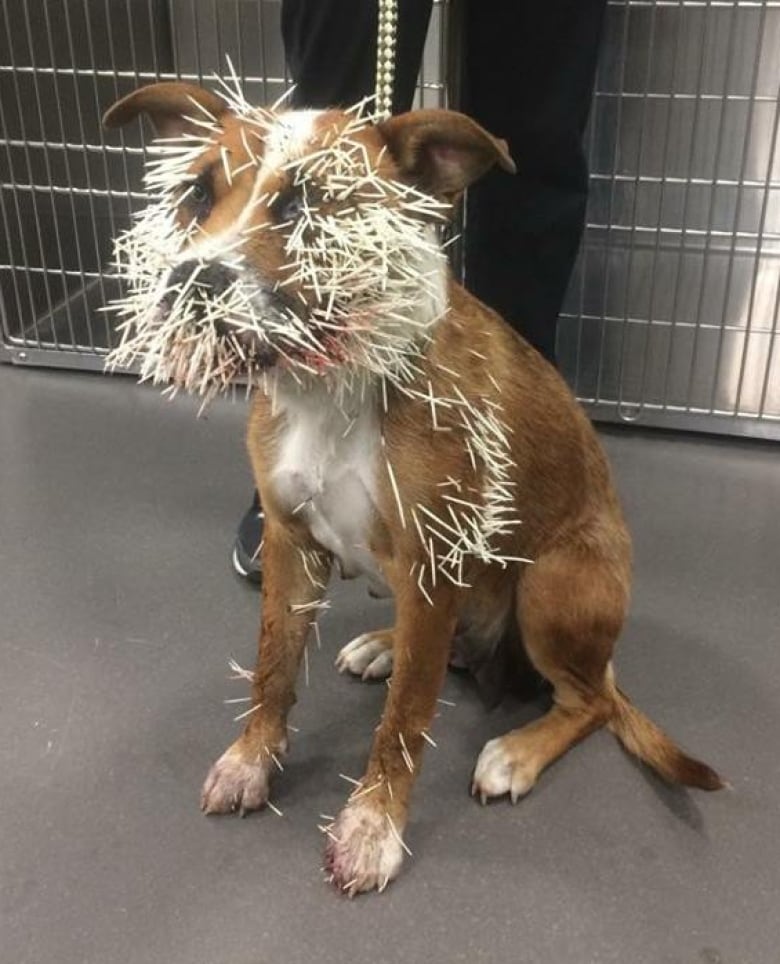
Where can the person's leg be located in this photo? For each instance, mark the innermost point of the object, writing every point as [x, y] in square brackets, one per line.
[330, 47]
[528, 77]
[246, 545]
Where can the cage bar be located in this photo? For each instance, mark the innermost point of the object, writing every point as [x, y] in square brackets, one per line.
[671, 317]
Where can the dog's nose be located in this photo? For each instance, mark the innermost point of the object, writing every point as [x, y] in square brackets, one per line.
[211, 278]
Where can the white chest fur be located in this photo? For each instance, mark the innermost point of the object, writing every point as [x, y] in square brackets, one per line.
[326, 473]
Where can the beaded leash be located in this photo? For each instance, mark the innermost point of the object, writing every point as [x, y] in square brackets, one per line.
[387, 35]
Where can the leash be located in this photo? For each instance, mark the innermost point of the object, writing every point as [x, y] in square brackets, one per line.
[387, 35]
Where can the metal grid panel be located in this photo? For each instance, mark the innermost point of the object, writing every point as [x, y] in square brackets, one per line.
[64, 191]
[672, 315]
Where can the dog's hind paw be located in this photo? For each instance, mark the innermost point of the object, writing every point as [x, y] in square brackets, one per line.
[369, 656]
[235, 784]
[364, 850]
[499, 771]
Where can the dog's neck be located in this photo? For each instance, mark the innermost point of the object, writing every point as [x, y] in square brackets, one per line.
[350, 386]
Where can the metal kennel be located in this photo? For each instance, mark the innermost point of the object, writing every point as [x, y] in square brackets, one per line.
[672, 315]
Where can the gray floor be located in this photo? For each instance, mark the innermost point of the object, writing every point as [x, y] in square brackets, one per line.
[119, 613]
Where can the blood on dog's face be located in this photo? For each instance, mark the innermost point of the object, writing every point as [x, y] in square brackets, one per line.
[303, 240]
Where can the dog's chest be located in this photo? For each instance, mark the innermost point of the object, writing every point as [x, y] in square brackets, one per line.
[325, 473]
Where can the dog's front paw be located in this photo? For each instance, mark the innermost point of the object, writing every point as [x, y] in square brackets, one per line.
[235, 783]
[369, 656]
[502, 768]
[364, 850]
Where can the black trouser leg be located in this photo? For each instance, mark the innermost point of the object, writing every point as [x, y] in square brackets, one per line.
[528, 77]
[331, 50]
[330, 46]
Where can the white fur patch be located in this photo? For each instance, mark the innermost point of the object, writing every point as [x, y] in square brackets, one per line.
[285, 141]
[289, 137]
[325, 473]
[498, 772]
[233, 784]
[363, 852]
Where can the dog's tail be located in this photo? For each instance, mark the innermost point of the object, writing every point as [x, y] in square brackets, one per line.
[640, 736]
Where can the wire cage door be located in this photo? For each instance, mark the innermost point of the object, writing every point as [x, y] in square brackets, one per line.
[672, 314]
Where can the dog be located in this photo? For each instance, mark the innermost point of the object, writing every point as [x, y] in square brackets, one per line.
[457, 471]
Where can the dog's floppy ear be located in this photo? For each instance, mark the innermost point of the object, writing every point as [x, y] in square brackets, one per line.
[166, 105]
[443, 151]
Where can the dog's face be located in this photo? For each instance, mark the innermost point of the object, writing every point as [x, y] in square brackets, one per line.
[298, 239]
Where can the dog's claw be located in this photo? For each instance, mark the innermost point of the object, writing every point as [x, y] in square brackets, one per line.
[234, 786]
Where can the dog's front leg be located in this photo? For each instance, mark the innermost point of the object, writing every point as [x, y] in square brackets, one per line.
[295, 575]
[365, 847]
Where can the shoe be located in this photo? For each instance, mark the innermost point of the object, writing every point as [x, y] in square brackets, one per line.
[249, 538]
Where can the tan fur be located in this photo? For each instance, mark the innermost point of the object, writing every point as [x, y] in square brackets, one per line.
[569, 605]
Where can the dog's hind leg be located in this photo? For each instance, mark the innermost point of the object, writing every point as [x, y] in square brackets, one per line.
[295, 574]
[571, 604]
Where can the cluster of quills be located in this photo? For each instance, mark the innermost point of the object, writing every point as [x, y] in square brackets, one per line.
[371, 275]
[364, 259]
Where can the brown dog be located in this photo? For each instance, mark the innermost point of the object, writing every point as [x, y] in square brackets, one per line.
[407, 483]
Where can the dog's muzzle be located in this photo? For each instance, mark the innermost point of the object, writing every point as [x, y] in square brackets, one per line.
[209, 282]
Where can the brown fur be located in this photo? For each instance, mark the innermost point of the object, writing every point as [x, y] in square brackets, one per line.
[568, 607]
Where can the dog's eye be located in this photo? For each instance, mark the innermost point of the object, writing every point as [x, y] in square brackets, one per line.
[198, 193]
[288, 207]
[198, 198]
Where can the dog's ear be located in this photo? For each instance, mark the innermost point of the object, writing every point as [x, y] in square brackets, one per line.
[167, 105]
[443, 151]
